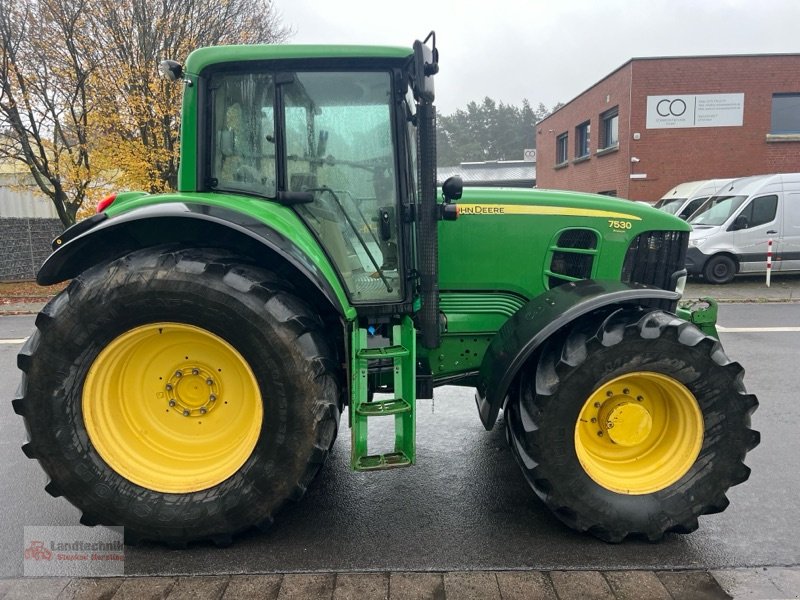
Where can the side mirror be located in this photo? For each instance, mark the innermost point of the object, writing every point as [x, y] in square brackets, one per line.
[741, 222]
[452, 188]
[171, 70]
[425, 66]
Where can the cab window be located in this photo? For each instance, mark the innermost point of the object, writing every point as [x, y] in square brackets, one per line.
[340, 147]
[243, 138]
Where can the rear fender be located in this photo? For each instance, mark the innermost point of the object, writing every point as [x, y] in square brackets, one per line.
[531, 325]
[189, 223]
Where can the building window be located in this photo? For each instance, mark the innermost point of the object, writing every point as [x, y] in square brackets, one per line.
[785, 113]
[582, 140]
[612, 193]
[562, 154]
[609, 129]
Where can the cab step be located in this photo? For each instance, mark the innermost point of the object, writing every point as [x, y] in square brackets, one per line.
[377, 408]
[402, 352]
[381, 353]
[380, 462]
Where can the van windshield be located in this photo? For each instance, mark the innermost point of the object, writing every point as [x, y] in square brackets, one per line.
[716, 210]
[671, 206]
[692, 206]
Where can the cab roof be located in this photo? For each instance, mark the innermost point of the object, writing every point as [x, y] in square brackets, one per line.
[212, 55]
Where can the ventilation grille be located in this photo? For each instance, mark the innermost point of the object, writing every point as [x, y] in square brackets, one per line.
[654, 257]
[578, 238]
[573, 256]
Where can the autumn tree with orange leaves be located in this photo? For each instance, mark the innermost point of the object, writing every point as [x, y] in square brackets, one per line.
[139, 112]
[81, 104]
[45, 103]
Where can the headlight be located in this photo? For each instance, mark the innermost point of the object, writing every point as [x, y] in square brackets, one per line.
[698, 242]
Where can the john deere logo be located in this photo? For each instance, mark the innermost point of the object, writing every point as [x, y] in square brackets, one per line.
[478, 209]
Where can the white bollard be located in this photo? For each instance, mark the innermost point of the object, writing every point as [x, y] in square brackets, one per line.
[769, 260]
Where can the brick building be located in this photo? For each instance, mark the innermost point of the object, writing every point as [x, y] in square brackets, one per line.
[657, 122]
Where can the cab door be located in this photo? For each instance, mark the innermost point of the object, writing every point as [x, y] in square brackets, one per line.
[757, 222]
[340, 146]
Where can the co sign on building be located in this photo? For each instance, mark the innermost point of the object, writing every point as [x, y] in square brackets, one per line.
[698, 110]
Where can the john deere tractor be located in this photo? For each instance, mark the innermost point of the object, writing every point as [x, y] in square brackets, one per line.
[190, 379]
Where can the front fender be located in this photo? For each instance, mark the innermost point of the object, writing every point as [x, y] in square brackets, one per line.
[540, 318]
[81, 247]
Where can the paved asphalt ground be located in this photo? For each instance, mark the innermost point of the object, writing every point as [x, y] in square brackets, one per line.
[462, 523]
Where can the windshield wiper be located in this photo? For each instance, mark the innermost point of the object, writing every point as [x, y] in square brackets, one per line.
[352, 225]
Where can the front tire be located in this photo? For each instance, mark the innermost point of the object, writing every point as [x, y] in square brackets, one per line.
[179, 394]
[719, 269]
[635, 423]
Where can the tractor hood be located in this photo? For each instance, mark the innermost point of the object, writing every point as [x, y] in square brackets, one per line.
[516, 201]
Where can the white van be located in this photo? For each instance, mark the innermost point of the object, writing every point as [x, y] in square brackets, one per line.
[730, 230]
[685, 198]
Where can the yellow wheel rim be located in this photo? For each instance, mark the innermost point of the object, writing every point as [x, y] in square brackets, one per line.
[639, 433]
[172, 407]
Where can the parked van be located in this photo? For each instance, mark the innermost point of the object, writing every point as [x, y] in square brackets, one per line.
[731, 229]
[685, 198]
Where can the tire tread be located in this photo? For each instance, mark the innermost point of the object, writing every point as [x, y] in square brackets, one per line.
[540, 386]
[260, 289]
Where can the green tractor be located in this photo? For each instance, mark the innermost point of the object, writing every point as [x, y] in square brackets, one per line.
[190, 379]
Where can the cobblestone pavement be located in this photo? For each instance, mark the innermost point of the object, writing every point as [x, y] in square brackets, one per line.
[766, 583]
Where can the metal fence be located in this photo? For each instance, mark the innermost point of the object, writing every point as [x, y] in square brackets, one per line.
[28, 223]
[24, 244]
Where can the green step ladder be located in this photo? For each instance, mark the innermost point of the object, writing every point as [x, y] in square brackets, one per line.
[403, 353]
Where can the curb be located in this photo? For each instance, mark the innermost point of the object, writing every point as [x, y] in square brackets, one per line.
[784, 297]
[745, 289]
[22, 308]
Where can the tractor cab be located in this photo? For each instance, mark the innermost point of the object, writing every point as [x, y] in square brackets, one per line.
[335, 139]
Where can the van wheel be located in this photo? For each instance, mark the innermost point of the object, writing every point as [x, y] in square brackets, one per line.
[719, 269]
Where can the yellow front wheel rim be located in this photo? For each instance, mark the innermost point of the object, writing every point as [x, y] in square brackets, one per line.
[171, 407]
[639, 433]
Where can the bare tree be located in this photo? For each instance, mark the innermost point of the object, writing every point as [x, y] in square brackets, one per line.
[45, 106]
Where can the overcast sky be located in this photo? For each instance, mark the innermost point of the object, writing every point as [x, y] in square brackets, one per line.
[546, 50]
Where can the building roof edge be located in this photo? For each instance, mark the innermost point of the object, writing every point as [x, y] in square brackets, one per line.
[630, 61]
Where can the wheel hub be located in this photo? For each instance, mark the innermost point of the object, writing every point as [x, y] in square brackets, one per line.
[629, 424]
[192, 390]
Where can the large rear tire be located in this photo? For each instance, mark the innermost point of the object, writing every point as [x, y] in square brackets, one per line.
[179, 394]
[633, 423]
